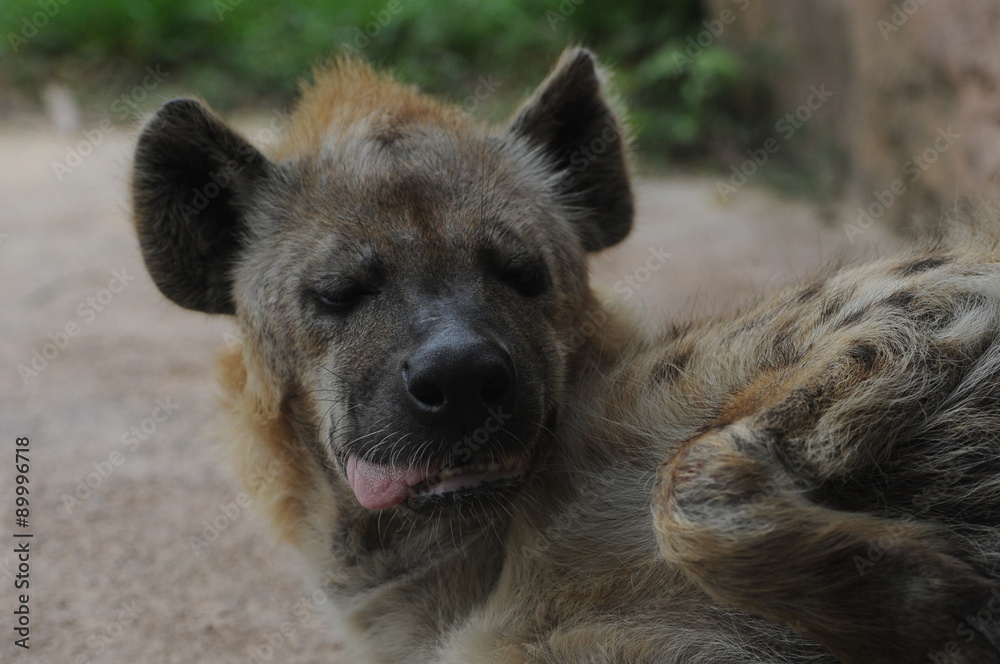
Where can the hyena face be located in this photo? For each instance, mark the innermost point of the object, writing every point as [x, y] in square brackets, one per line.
[424, 300]
[418, 278]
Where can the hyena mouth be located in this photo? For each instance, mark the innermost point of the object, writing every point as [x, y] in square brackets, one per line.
[381, 486]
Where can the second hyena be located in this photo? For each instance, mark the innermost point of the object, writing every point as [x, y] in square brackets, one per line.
[483, 464]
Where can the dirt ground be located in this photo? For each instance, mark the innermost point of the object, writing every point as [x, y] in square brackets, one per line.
[141, 550]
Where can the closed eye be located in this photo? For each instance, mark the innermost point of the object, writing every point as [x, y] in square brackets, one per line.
[529, 279]
[342, 299]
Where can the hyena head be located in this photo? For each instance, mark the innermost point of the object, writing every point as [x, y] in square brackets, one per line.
[419, 279]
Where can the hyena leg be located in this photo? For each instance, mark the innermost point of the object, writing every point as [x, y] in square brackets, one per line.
[872, 590]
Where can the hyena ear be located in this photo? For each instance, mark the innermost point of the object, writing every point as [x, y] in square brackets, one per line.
[569, 119]
[192, 179]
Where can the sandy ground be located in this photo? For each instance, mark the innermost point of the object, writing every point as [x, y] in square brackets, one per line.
[141, 552]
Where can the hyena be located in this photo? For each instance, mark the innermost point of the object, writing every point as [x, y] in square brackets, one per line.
[483, 462]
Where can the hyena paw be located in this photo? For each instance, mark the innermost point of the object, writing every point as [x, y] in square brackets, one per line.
[726, 479]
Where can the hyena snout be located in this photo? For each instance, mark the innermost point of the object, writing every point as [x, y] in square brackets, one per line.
[455, 437]
[458, 378]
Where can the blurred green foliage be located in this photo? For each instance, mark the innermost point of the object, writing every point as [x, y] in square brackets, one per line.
[684, 97]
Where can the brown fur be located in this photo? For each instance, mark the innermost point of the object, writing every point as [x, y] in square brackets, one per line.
[753, 489]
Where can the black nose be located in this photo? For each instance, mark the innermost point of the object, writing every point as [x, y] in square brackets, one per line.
[457, 377]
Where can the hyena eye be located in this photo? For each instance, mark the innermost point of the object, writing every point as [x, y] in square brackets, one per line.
[342, 300]
[528, 280]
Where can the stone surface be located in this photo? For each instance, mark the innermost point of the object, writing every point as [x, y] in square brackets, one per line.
[915, 126]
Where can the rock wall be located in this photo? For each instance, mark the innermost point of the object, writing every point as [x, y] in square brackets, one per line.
[913, 122]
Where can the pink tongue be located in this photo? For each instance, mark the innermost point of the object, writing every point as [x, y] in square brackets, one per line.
[378, 486]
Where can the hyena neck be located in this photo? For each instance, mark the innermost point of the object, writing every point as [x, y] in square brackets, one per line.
[643, 388]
